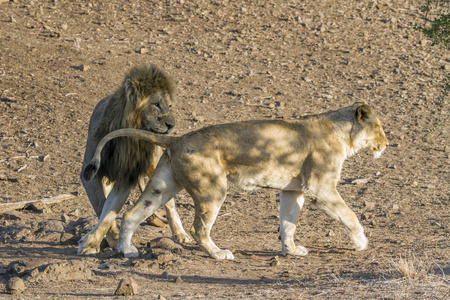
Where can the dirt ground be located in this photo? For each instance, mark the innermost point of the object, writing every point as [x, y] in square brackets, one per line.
[232, 61]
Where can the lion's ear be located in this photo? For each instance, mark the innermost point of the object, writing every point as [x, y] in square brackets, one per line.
[360, 102]
[131, 90]
[363, 112]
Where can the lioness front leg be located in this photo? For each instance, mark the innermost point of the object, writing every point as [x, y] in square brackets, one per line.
[333, 205]
[291, 203]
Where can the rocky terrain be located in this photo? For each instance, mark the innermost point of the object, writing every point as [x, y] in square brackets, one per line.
[232, 61]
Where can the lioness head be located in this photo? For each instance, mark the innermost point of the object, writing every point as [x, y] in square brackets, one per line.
[150, 93]
[371, 135]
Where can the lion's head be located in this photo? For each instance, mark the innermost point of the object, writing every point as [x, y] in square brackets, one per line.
[143, 101]
[370, 134]
[150, 94]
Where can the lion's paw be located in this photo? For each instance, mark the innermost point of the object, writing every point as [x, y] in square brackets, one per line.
[222, 254]
[112, 242]
[87, 246]
[129, 252]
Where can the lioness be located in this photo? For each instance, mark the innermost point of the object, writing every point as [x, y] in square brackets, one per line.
[303, 158]
[143, 101]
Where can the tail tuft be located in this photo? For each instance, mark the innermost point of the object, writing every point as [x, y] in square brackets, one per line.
[90, 171]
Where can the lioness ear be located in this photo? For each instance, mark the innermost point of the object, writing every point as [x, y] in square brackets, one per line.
[363, 113]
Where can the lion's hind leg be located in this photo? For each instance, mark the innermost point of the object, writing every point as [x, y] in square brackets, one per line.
[173, 218]
[333, 205]
[291, 203]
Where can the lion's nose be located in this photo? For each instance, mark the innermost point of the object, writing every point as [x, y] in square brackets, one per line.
[170, 125]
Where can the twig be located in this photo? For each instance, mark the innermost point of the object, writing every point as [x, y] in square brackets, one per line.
[21, 168]
[258, 105]
[39, 157]
[17, 178]
[18, 205]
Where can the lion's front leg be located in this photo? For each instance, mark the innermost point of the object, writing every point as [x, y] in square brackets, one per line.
[291, 203]
[333, 205]
[90, 243]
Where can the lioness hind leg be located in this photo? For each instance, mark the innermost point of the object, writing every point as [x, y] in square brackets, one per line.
[160, 189]
[291, 203]
[333, 205]
[208, 199]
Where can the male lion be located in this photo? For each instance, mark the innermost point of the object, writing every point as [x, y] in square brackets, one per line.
[143, 101]
[303, 158]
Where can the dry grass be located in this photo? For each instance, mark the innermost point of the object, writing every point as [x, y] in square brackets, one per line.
[411, 267]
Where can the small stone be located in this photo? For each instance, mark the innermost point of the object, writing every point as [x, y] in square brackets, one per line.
[367, 216]
[37, 206]
[430, 186]
[126, 287]
[12, 20]
[143, 50]
[64, 26]
[65, 218]
[446, 149]
[253, 256]
[161, 297]
[164, 243]
[369, 205]
[200, 119]
[307, 79]
[179, 279]
[274, 261]
[13, 216]
[360, 181]
[68, 238]
[15, 285]
[155, 221]
[74, 213]
[43, 158]
[395, 208]
[330, 233]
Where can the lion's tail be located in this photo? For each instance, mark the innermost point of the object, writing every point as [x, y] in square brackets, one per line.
[161, 140]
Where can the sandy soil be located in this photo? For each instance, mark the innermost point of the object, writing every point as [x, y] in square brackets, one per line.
[232, 61]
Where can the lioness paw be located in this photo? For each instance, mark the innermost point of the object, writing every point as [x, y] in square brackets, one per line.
[183, 238]
[298, 251]
[360, 243]
[222, 254]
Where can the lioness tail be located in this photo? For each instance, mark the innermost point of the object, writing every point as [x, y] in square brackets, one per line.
[161, 140]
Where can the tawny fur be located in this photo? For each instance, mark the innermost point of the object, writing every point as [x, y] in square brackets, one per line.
[302, 158]
[143, 101]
